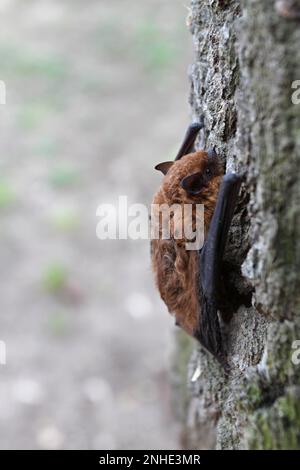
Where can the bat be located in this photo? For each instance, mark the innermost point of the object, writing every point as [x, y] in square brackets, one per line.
[189, 281]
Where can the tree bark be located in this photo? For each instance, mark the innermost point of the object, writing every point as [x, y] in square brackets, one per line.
[247, 55]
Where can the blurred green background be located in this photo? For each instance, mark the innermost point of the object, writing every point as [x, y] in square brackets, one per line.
[97, 94]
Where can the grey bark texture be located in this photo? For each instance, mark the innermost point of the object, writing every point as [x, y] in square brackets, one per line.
[247, 54]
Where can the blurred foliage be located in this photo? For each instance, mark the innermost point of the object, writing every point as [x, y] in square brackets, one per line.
[24, 62]
[154, 49]
[58, 324]
[46, 147]
[33, 114]
[72, 75]
[63, 176]
[55, 277]
[149, 44]
[66, 219]
[7, 194]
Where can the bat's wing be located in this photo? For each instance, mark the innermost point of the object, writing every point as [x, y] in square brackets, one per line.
[210, 264]
[189, 139]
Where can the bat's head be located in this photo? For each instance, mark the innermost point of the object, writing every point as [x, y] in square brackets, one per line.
[194, 178]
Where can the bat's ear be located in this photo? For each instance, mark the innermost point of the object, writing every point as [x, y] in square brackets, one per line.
[193, 184]
[164, 167]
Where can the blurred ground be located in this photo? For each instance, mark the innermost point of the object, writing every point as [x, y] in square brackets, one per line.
[96, 95]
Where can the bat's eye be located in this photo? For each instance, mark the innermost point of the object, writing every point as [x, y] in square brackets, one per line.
[208, 171]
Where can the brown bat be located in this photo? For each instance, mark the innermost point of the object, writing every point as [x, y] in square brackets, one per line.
[189, 280]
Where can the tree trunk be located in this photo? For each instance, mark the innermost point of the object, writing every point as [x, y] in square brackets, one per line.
[247, 55]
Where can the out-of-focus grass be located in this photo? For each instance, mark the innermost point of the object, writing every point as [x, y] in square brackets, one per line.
[65, 220]
[105, 39]
[7, 195]
[46, 147]
[148, 44]
[15, 61]
[154, 49]
[55, 277]
[33, 114]
[62, 176]
[58, 324]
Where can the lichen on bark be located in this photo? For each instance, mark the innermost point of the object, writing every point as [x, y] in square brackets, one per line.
[246, 57]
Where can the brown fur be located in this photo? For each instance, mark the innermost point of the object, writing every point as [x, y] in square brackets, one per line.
[174, 267]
